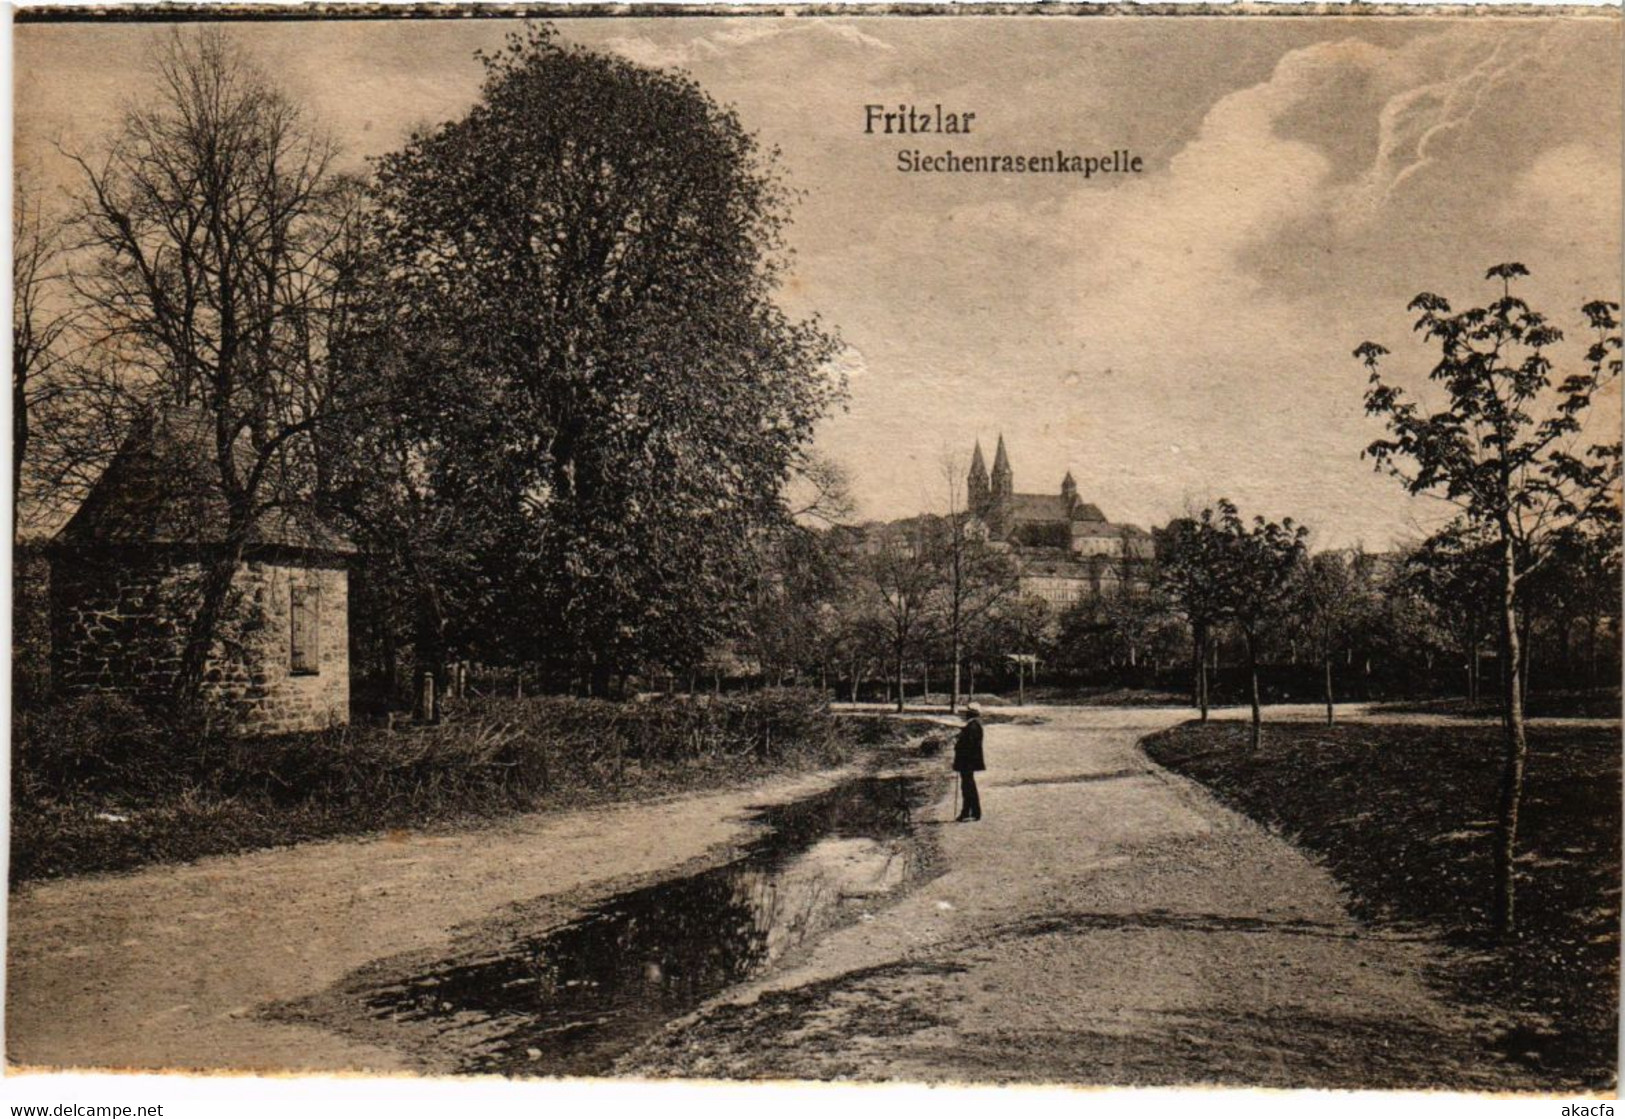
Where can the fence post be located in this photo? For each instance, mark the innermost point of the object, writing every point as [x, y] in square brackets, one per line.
[428, 710]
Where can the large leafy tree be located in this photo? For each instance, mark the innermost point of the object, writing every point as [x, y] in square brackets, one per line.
[1508, 449]
[1453, 573]
[584, 267]
[1254, 580]
[1190, 576]
[1126, 626]
[1017, 635]
[1330, 600]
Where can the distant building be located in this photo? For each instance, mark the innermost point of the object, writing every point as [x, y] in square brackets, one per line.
[126, 574]
[1067, 550]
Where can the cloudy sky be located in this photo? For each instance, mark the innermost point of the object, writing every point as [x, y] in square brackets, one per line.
[1169, 337]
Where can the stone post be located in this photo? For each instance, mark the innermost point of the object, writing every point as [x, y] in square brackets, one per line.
[428, 710]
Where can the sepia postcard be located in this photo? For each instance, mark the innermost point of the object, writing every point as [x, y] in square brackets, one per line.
[1008, 545]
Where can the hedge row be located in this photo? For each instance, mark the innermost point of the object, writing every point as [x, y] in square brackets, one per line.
[97, 784]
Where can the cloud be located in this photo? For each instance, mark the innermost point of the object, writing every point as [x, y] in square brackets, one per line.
[1568, 196]
[1220, 300]
[730, 40]
[1419, 117]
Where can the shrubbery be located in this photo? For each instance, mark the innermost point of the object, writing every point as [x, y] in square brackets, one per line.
[97, 784]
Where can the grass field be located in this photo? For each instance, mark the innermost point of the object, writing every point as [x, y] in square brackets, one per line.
[1403, 816]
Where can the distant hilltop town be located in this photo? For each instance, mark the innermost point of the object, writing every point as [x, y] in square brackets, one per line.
[1067, 550]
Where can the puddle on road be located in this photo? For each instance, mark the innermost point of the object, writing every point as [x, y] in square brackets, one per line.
[570, 1000]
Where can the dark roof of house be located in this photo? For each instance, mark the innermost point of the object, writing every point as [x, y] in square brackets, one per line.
[1050, 507]
[158, 490]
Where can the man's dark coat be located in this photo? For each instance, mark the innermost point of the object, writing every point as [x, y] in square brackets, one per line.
[968, 748]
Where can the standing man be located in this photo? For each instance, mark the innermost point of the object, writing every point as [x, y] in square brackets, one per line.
[968, 762]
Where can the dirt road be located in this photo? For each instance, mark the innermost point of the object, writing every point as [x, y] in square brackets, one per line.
[172, 967]
[1106, 923]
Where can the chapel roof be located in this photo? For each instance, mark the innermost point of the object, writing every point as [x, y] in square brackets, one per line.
[158, 490]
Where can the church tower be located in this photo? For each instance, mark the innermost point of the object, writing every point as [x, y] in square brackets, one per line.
[1001, 498]
[1069, 492]
[976, 484]
[1004, 483]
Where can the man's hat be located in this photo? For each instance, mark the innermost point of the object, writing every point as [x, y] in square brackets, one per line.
[973, 711]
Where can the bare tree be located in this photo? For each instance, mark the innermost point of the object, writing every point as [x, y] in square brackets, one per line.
[976, 578]
[820, 493]
[215, 228]
[903, 577]
[41, 323]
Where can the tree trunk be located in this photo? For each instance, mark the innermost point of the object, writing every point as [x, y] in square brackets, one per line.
[1565, 654]
[218, 575]
[392, 662]
[1593, 621]
[1517, 750]
[901, 693]
[1252, 685]
[19, 437]
[1526, 648]
[925, 683]
[1199, 657]
[953, 696]
[1503, 648]
[1330, 711]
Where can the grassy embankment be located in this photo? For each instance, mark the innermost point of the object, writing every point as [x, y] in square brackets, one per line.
[97, 786]
[1403, 816]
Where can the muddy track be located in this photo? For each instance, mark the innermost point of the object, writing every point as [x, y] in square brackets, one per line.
[1106, 923]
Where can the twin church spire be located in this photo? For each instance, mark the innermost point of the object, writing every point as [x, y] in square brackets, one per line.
[981, 488]
[989, 494]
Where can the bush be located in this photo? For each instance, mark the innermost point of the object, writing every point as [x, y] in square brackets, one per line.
[179, 792]
[101, 742]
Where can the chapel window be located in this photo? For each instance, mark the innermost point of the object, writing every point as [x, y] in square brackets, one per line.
[305, 626]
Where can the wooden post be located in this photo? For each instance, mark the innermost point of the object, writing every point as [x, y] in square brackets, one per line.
[428, 712]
